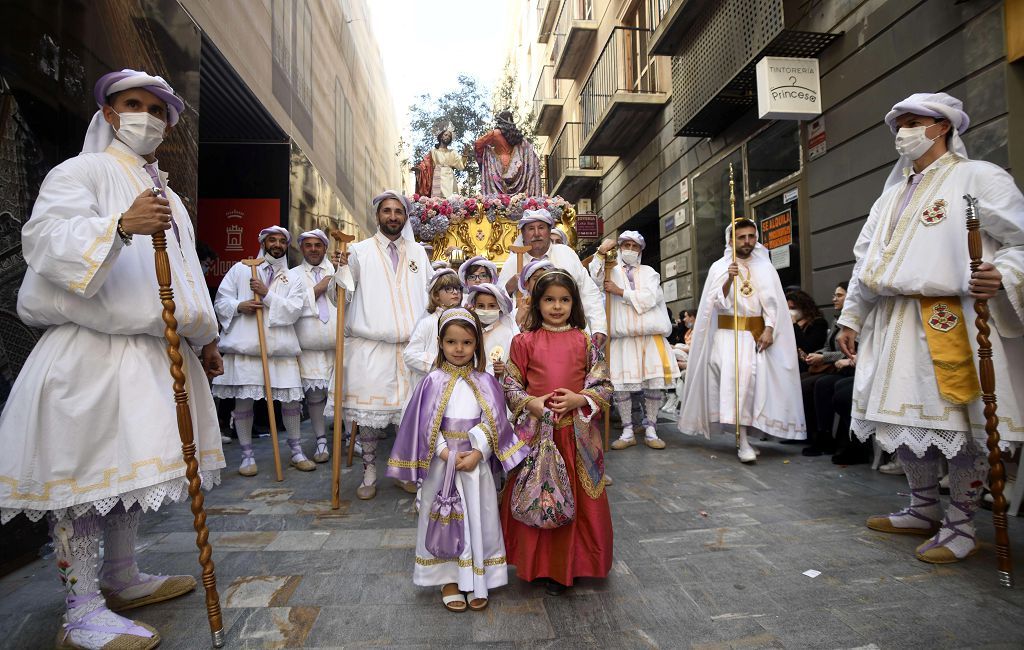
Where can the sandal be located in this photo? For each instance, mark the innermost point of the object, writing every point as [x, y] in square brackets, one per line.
[478, 604]
[453, 602]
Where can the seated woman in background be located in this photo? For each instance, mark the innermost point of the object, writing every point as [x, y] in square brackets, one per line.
[809, 325]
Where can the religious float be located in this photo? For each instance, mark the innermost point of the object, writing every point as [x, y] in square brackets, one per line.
[459, 227]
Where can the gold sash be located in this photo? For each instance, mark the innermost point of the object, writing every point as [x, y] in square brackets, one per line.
[752, 324]
[950, 348]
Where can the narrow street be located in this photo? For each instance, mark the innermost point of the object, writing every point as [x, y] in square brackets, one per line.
[708, 554]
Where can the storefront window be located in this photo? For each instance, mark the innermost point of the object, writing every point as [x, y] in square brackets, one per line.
[773, 154]
[711, 209]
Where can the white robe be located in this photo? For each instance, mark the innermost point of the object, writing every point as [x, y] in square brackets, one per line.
[383, 308]
[566, 259]
[639, 355]
[90, 421]
[895, 393]
[770, 396]
[317, 339]
[499, 334]
[446, 162]
[421, 352]
[240, 342]
[482, 563]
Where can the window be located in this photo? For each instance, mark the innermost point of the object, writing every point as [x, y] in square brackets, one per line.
[711, 210]
[282, 36]
[773, 155]
[343, 140]
[304, 55]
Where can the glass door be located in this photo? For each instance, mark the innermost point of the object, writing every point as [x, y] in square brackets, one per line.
[777, 220]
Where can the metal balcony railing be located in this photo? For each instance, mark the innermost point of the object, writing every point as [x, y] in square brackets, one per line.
[571, 10]
[565, 155]
[622, 67]
[547, 89]
[542, 7]
[657, 9]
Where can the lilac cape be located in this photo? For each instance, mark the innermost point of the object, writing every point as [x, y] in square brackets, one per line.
[421, 424]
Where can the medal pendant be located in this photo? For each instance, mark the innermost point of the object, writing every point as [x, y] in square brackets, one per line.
[746, 289]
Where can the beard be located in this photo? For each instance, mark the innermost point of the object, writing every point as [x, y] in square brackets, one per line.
[391, 229]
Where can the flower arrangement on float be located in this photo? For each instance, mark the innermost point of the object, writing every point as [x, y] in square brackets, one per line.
[432, 216]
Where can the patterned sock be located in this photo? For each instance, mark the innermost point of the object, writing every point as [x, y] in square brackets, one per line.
[120, 572]
[652, 404]
[291, 413]
[624, 403]
[87, 623]
[368, 438]
[242, 417]
[923, 479]
[315, 401]
[967, 472]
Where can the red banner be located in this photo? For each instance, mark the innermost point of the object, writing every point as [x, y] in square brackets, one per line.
[589, 226]
[231, 227]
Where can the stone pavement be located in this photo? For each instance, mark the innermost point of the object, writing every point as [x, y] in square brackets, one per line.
[708, 554]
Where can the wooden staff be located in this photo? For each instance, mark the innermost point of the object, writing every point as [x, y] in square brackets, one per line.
[342, 241]
[986, 372]
[352, 442]
[735, 306]
[253, 264]
[609, 265]
[188, 445]
[519, 250]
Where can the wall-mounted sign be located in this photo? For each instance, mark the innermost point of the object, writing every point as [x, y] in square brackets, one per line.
[791, 195]
[777, 230]
[231, 226]
[788, 88]
[816, 144]
[780, 257]
[684, 190]
[589, 226]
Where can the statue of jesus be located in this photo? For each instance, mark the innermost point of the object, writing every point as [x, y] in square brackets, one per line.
[435, 175]
[508, 162]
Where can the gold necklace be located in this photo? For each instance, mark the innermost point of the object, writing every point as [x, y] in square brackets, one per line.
[559, 328]
[746, 288]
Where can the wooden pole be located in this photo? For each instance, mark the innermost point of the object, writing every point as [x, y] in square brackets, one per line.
[987, 375]
[254, 264]
[352, 442]
[519, 250]
[735, 306]
[342, 241]
[609, 265]
[185, 432]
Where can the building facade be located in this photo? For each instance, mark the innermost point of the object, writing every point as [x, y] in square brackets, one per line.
[645, 105]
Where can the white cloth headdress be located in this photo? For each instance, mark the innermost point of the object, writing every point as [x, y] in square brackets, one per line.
[100, 134]
[315, 233]
[561, 235]
[479, 260]
[532, 267]
[504, 301]
[633, 236]
[437, 275]
[939, 106]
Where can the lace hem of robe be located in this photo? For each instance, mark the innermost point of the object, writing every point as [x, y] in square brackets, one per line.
[256, 392]
[373, 419]
[148, 498]
[315, 384]
[917, 439]
[649, 384]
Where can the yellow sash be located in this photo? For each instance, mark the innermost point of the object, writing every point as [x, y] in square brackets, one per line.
[659, 341]
[950, 348]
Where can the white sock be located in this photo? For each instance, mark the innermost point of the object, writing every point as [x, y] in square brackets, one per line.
[291, 413]
[315, 402]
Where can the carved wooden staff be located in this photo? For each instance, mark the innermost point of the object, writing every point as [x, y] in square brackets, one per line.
[519, 250]
[609, 265]
[986, 372]
[188, 444]
[254, 264]
[343, 241]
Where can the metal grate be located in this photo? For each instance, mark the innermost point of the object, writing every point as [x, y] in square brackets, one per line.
[622, 66]
[565, 154]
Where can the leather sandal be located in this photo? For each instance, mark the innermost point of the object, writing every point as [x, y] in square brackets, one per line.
[453, 602]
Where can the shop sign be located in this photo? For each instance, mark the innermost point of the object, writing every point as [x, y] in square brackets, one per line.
[816, 144]
[589, 226]
[777, 230]
[788, 88]
[231, 227]
[684, 190]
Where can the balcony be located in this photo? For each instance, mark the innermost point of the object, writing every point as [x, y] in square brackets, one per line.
[546, 12]
[571, 175]
[575, 31]
[672, 19]
[548, 99]
[622, 94]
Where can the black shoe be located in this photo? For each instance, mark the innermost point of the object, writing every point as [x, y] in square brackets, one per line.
[849, 457]
[554, 588]
[811, 451]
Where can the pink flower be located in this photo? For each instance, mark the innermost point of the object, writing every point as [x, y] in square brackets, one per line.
[416, 197]
[504, 199]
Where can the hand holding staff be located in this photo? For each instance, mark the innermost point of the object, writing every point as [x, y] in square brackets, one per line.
[254, 265]
[987, 375]
[188, 445]
[343, 241]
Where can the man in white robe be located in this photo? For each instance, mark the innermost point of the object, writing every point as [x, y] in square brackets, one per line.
[385, 278]
[281, 302]
[89, 433]
[911, 299]
[769, 380]
[535, 232]
[316, 330]
[639, 358]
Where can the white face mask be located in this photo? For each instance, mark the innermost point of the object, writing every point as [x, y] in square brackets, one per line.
[142, 132]
[913, 143]
[794, 314]
[630, 258]
[487, 316]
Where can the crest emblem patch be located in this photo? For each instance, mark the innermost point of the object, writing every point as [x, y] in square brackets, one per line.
[942, 320]
[413, 267]
[934, 214]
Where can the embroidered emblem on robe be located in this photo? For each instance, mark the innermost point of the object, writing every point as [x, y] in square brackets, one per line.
[413, 267]
[942, 319]
[935, 213]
